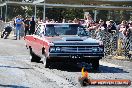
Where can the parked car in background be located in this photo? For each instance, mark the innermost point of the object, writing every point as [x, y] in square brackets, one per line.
[64, 42]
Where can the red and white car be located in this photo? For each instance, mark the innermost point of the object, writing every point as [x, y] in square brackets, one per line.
[64, 42]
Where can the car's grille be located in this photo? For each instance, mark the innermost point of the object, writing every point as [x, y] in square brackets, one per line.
[77, 49]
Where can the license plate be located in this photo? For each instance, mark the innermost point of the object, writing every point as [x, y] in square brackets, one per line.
[74, 56]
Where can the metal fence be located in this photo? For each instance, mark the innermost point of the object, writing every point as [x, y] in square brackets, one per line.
[113, 44]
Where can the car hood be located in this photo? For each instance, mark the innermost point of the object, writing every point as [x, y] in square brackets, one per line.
[72, 40]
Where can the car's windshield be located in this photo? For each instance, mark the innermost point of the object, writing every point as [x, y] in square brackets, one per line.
[61, 29]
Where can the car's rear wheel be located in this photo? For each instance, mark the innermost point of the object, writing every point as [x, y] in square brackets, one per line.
[33, 56]
[95, 64]
[46, 62]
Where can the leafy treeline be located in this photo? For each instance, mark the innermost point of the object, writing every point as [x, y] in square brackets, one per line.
[67, 13]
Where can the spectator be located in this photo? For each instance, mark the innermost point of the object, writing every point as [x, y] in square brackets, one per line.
[63, 20]
[69, 21]
[92, 28]
[52, 21]
[15, 20]
[111, 27]
[47, 20]
[32, 26]
[101, 28]
[128, 30]
[27, 25]
[102, 25]
[88, 19]
[18, 26]
[76, 20]
[122, 28]
[128, 39]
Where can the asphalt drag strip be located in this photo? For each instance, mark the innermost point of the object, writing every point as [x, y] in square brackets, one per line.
[72, 77]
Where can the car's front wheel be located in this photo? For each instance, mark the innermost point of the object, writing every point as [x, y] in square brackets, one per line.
[33, 56]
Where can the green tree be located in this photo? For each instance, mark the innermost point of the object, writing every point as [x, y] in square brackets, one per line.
[60, 13]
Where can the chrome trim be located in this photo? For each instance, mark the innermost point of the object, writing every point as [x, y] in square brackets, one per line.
[92, 56]
[77, 53]
[83, 56]
[75, 45]
[80, 50]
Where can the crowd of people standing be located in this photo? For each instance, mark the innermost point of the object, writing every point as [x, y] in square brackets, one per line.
[106, 31]
[27, 24]
[99, 30]
[109, 32]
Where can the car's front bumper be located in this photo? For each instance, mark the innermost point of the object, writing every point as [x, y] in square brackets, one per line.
[76, 55]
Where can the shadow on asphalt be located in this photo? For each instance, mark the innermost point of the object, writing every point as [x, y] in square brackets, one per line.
[70, 67]
[12, 86]
[13, 39]
[4, 38]
[106, 69]
[1, 66]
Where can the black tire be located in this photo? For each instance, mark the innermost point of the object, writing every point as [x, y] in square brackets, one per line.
[34, 57]
[95, 64]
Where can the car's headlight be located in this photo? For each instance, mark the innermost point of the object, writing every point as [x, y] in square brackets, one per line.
[52, 49]
[100, 49]
[94, 49]
[55, 49]
[58, 49]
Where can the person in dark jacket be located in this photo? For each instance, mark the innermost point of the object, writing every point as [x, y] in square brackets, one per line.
[27, 25]
[32, 26]
[128, 40]
[111, 27]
